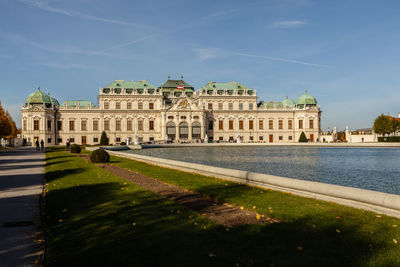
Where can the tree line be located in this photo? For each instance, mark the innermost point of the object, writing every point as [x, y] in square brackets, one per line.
[8, 129]
[386, 125]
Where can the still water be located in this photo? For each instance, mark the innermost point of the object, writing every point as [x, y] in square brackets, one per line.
[368, 168]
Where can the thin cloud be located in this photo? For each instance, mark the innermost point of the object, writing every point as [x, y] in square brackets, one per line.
[43, 6]
[207, 53]
[5, 56]
[182, 27]
[65, 66]
[289, 23]
[280, 59]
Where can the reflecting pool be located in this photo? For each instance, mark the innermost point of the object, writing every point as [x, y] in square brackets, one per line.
[368, 168]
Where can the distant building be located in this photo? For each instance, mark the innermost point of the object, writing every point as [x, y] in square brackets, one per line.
[174, 111]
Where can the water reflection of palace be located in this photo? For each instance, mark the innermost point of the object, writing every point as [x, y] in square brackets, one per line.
[174, 111]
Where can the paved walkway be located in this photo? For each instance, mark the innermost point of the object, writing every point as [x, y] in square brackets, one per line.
[21, 177]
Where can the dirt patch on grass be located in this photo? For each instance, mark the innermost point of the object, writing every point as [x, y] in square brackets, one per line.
[222, 213]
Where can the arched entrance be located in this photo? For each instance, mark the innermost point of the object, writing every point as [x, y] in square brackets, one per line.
[196, 130]
[171, 130]
[183, 131]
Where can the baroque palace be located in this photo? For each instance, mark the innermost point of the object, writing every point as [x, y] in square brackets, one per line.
[173, 112]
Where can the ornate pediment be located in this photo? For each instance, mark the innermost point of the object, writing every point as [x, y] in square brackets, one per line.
[185, 104]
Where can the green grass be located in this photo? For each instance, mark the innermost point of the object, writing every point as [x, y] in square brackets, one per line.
[89, 216]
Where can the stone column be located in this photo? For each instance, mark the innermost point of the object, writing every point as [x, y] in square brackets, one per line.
[163, 125]
[203, 121]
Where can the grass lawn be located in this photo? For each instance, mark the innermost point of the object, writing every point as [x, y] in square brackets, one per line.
[94, 218]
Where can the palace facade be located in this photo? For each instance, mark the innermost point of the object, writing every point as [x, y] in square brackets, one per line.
[172, 112]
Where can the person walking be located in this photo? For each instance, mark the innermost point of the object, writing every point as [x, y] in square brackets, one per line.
[67, 143]
[37, 145]
[42, 145]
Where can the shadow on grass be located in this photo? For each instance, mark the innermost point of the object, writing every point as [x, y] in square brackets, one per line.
[105, 225]
[54, 175]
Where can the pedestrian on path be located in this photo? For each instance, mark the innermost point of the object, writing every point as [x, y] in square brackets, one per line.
[37, 145]
[42, 145]
[68, 143]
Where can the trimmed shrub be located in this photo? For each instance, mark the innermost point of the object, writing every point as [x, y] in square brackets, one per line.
[99, 156]
[104, 139]
[389, 139]
[122, 144]
[75, 148]
[303, 138]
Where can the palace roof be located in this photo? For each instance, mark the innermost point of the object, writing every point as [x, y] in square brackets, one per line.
[130, 84]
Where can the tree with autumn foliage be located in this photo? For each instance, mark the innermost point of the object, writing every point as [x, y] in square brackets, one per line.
[8, 129]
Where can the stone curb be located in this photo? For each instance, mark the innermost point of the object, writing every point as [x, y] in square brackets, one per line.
[385, 203]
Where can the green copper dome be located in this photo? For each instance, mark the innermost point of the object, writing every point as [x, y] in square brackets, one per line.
[306, 100]
[288, 102]
[54, 101]
[38, 97]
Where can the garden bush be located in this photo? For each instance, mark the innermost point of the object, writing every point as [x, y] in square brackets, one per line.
[122, 144]
[389, 139]
[104, 139]
[99, 156]
[75, 148]
[303, 138]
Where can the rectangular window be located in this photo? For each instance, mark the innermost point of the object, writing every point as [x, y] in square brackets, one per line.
[231, 125]
[251, 125]
[210, 105]
[106, 105]
[118, 125]
[230, 106]
[151, 125]
[140, 125]
[48, 140]
[250, 106]
[311, 124]
[59, 140]
[261, 138]
[251, 138]
[241, 106]
[83, 125]
[72, 125]
[280, 137]
[95, 125]
[106, 125]
[151, 138]
[261, 125]
[59, 125]
[24, 125]
[300, 124]
[280, 124]
[117, 105]
[271, 124]
[49, 125]
[240, 125]
[95, 139]
[221, 138]
[118, 139]
[140, 139]
[290, 124]
[140, 105]
[36, 125]
[72, 140]
[210, 125]
[290, 137]
[221, 124]
[220, 106]
[129, 105]
[151, 105]
[129, 125]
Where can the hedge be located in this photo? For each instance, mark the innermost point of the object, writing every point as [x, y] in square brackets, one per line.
[389, 139]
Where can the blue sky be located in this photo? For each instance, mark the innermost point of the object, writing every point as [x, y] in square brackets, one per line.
[346, 53]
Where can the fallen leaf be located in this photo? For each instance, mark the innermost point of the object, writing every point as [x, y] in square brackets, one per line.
[378, 216]
[134, 224]
[299, 248]
[211, 255]
[254, 207]
[227, 229]
[395, 241]
[337, 231]
[241, 208]
[394, 225]
[60, 220]
[64, 210]
[258, 216]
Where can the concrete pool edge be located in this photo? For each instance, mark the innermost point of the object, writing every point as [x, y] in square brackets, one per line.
[385, 203]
